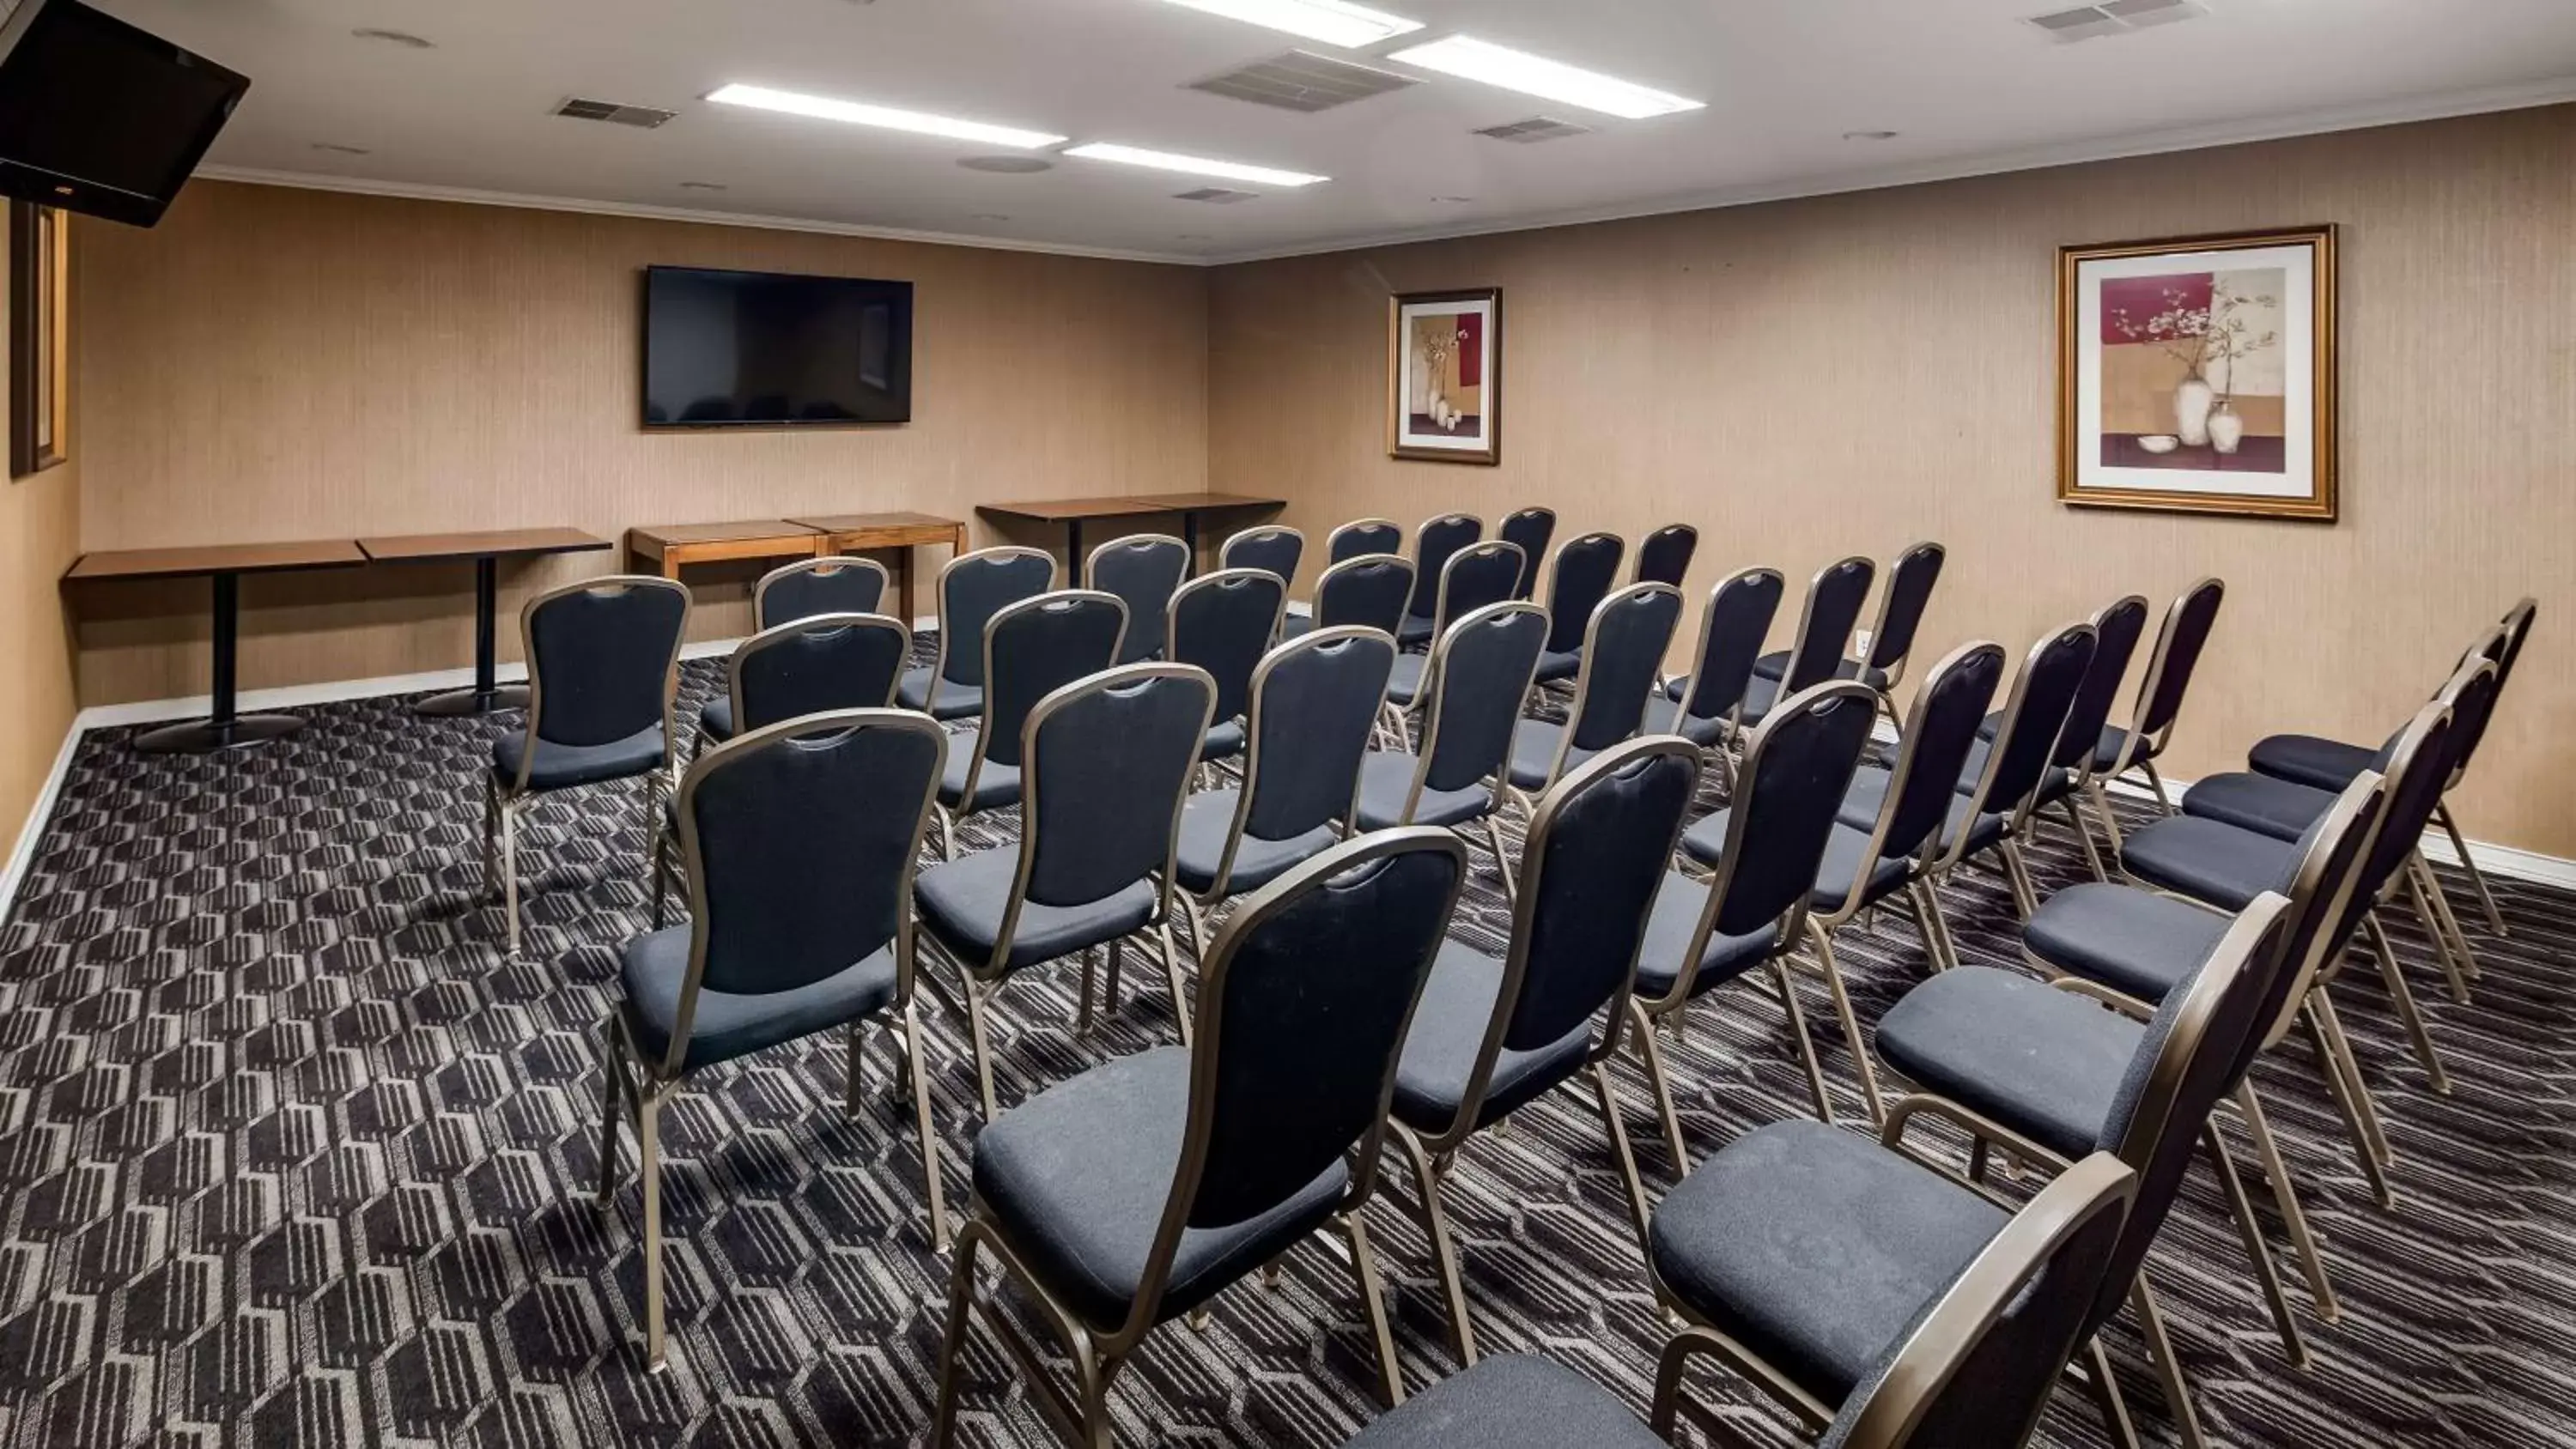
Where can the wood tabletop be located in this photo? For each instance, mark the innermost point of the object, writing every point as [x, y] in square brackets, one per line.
[900, 521]
[230, 558]
[490, 543]
[685, 533]
[1057, 510]
[1192, 502]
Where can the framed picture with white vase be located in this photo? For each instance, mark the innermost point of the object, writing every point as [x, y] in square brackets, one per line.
[1445, 376]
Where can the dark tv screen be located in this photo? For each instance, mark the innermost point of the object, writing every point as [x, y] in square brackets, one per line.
[98, 116]
[733, 349]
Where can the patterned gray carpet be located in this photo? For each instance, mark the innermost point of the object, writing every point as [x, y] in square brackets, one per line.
[290, 1153]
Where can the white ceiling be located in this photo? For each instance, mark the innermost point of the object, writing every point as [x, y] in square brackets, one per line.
[1968, 87]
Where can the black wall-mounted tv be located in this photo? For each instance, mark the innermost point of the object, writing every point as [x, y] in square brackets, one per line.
[98, 116]
[734, 349]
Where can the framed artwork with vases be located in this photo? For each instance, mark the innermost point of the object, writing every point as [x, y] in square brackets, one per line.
[2198, 374]
[1444, 376]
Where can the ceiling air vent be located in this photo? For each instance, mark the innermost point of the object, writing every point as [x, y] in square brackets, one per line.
[1302, 81]
[1215, 195]
[645, 117]
[2112, 17]
[1534, 130]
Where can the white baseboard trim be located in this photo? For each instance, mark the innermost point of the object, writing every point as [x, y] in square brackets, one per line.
[2496, 860]
[39, 815]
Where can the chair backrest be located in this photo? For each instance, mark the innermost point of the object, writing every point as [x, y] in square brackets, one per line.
[837, 585]
[1480, 671]
[1797, 765]
[602, 656]
[1631, 631]
[973, 587]
[1940, 732]
[2517, 629]
[2116, 631]
[2498, 644]
[783, 894]
[1274, 547]
[2332, 851]
[1738, 619]
[1314, 701]
[1432, 544]
[1900, 609]
[1303, 1006]
[1223, 622]
[1665, 555]
[1369, 591]
[2169, 670]
[1825, 624]
[2417, 773]
[1034, 648]
[2034, 721]
[1107, 768]
[1477, 575]
[1362, 538]
[1529, 529]
[1578, 581]
[1979, 1362]
[2184, 1063]
[1143, 571]
[816, 663]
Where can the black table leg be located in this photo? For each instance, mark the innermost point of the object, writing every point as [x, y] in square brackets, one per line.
[223, 729]
[1073, 552]
[1190, 536]
[486, 695]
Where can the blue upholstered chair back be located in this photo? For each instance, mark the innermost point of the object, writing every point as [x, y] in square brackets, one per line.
[2332, 851]
[1939, 733]
[818, 586]
[816, 663]
[1797, 765]
[1276, 549]
[2178, 654]
[1223, 622]
[1665, 556]
[1834, 597]
[1433, 543]
[1303, 1005]
[1900, 613]
[1314, 700]
[1529, 529]
[801, 841]
[2116, 632]
[2416, 777]
[1477, 575]
[1143, 572]
[1599, 844]
[2477, 706]
[1585, 569]
[1370, 591]
[1740, 611]
[1631, 631]
[1483, 667]
[1109, 758]
[2035, 719]
[1036, 647]
[601, 656]
[972, 589]
[1363, 538]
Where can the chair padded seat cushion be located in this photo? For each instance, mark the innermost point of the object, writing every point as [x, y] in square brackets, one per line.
[1404, 679]
[1224, 740]
[1205, 822]
[2307, 760]
[1415, 629]
[1678, 903]
[2260, 803]
[2207, 861]
[996, 784]
[1556, 664]
[1868, 795]
[2107, 753]
[1514, 1401]
[1759, 695]
[1775, 666]
[1295, 625]
[2043, 1062]
[1534, 752]
[1385, 778]
[560, 767]
[1664, 717]
[946, 700]
[2136, 942]
[1449, 1027]
[716, 717]
[1843, 851]
[1076, 1178]
[1815, 1247]
[725, 1025]
[962, 900]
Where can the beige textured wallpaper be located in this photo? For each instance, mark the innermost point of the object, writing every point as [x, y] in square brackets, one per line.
[1847, 374]
[39, 538]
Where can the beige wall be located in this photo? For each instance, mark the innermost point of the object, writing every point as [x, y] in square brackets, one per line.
[278, 364]
[1847, 374]
[39, 538]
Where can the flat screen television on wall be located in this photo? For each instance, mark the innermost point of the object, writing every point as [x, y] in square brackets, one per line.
[765, 349]
[98, 116]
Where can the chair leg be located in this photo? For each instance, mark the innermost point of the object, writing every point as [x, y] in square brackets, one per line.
[1851, 1024]
[911, 1030]
[1117, 966]
[1938, 948]
[1502, 861]
[1444, 1253]
[2339, 1054]
[652, 818]
[2404, 998]
[2285, 1323]
[2101, 799]
[1196, 914]
[2477, 878]
[975, 1031]
[2441, 902]
[510, 871]
[2156, 783]
[961, 1303]
[1669, 1373]
[2025, 895]
[1090, 979]
[2450, 948]
[2083, 837]
[2285, 1196]
[1373, 1301]
[2168, 1364]
[1172, 976]
[1781, 973]
[1092, 1376]
[612, 1105]
[491, 831]
[1638, 1208]
[648, 1134]
[1652, 1056]
[2106, 1396]
[947, 832]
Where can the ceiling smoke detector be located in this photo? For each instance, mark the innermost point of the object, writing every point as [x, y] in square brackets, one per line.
[641, 117]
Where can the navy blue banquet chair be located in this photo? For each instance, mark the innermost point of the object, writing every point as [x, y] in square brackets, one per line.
[1272, 547]
[1104, 768]
[1143, 570]
[839, 584]
[1992, 809]
[1706, 709]
[1825, 624]
[2139, 744]
[1031, 649]
[1891, 639]
[1529, 530]
[973, 587]
[1433, 543]
[1475, 576]
[1580, 578]
[1313, 702]
[1223, 622]
[1363, 538]
[1622, 647]
[1479, 674]
[603, 664]
[2069, 780]
[1141, 1189]
[1494, 1035]
[798, 840]
[1369, 592]
[1665, 555]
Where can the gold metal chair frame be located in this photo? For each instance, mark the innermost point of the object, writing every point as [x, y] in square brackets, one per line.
[975, 558]
[1219, 579]
[826, 564]
[2017, 814]
[1377, 525]
[2137, 752]
[1623, 595]
[1435, 674]
[1035, 603]
[1730, 739]
[1258, 529]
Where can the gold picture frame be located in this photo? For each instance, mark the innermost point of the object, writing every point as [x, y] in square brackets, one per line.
[2197, 374]
[1444, 376]
[39, 337]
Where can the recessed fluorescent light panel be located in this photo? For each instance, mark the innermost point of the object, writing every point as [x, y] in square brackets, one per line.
[1329, 21]
[1193, 165]
[921, 123]
[1536, 75]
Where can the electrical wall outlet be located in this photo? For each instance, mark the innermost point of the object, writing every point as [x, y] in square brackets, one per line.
[1860, 642]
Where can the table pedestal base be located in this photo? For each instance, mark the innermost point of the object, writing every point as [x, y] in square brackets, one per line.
[464, 703]
[203, 736]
